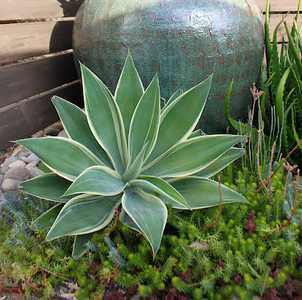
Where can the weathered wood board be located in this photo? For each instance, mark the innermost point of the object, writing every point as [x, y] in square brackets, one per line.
[27, 9]
[28, 116]
[279, 5]
[24, 40]
[23, 80]
[32, 9]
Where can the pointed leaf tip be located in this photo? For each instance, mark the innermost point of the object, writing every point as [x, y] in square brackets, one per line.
[97, 181]
[145, 121]
[128, 91]
[148, 213]
[82, 215]
[73, 158]
[104, 119]
[180, 117]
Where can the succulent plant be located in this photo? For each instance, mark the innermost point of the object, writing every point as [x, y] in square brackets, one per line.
[126, 157]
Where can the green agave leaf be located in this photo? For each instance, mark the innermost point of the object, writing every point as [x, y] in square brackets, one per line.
[104, 119]
[145, 121]
[49, 187]
[203, 193]
[160, 186]
[192, 156]
[126, 220]
[98, 180]
[75, 123]
[47, 218]
[65, 157]
[81, 245]
[129, 91]
[179, 119]
[221, 163]
[174, 96]
[279, 101]
[148, 213]
[82, 215]
[134, 169]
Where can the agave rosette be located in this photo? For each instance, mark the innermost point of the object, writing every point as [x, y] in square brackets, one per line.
[127, 157]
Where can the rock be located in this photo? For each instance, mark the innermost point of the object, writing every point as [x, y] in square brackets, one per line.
[1, 179]
[2, 198]
[62, 134]
[33, 170]
[10, 184]
[67, 296]
[19, 172]
[6, 163]
[31, 158]
[23, 154]
[53, 129]
[38, 134]
[16, 164]
[200, 246]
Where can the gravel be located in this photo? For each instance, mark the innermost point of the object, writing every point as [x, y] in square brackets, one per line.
[22, 164]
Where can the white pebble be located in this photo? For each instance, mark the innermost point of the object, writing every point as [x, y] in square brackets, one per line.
[18, 172]
[33, 171]
[38, 134]
[9, 184]
[62, 134]
[7, 162]
[16, 164]
[31, 158]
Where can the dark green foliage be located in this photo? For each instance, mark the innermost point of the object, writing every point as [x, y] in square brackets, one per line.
[282, 88]
[283, 84]
[238, 250]
[274, 127]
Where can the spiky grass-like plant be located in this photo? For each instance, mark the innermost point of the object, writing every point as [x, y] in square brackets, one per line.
[127, 157]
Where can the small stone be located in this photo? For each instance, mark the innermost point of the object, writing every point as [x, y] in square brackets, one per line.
[62, 134]
[18, 173]
[16, 164]
[38, 134]
[6, 163]
[33, 170]
[53, 129]
[31, 158]
[23, 153]
[67, 296]
[200, 246]
[9, 184]
[2, 198]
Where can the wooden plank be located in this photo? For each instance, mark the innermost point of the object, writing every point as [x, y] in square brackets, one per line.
[33, 39]
[279, 5]
[27, 9]
[275, 20]
[31, 9]
[24, 80]
[16, 121]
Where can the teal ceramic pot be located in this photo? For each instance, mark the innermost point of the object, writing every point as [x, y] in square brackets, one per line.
[182, 40]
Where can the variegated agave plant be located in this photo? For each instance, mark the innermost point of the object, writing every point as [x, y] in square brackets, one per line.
[126, 157]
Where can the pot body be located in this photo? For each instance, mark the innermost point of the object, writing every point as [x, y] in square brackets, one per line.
[183, 41]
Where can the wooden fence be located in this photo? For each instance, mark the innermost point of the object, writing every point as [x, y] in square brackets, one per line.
[36, 61]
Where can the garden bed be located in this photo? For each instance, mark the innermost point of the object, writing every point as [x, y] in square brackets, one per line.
[231, 252]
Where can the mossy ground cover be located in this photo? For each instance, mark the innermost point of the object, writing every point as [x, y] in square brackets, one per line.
[233, 250]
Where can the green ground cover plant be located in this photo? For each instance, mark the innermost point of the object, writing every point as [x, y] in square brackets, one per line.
[242, 250]
[283, 83]
[274, 123]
